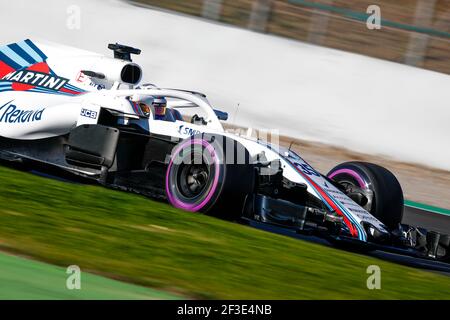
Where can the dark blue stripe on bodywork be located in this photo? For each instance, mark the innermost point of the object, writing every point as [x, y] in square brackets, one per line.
[15, 47]
[36, 49]
[9, 62]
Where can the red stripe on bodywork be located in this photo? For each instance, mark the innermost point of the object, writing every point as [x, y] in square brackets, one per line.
[348, 223]
[69, 91]
[5, 69]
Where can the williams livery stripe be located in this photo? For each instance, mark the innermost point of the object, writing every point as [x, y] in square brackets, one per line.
[35, 49]
[8, 61]
[354, 227]
[23, 54]
[136, 108]
[23, 67]
[30, 49]
[20, 55]
[62, 92]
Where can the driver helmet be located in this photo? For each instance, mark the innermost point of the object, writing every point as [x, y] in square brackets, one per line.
[159, 105]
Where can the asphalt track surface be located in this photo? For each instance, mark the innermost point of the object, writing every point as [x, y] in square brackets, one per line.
[429, 220]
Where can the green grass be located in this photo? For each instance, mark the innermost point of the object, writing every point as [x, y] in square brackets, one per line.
[25, 279]
[131, 238]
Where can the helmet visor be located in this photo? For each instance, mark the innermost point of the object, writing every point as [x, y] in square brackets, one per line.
[160, 109]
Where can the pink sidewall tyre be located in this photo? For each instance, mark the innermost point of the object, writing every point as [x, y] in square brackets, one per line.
[387, 203]
[211, 174]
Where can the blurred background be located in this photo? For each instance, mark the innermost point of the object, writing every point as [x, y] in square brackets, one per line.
[414, 32]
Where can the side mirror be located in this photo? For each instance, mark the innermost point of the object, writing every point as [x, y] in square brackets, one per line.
[221, 115]
[196, 119]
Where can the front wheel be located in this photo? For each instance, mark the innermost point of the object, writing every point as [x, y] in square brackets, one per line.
[210, 173]
[387, 195]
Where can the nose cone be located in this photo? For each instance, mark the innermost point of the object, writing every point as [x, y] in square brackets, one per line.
[375, 234]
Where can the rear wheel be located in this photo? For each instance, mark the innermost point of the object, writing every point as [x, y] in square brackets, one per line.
[211, 174]
[377, 182]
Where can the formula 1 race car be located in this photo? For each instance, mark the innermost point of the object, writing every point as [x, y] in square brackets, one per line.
[77, 113]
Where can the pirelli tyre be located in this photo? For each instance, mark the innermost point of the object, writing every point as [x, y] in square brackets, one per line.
[387, 195]
[210, 173]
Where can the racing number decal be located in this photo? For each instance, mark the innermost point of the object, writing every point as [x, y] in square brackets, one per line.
[307, 169]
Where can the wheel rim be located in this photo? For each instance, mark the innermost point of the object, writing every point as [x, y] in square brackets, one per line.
[349, 179]
[192, 179]
[193, 175]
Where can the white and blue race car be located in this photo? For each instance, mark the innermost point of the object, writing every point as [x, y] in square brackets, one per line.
[76, 113]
